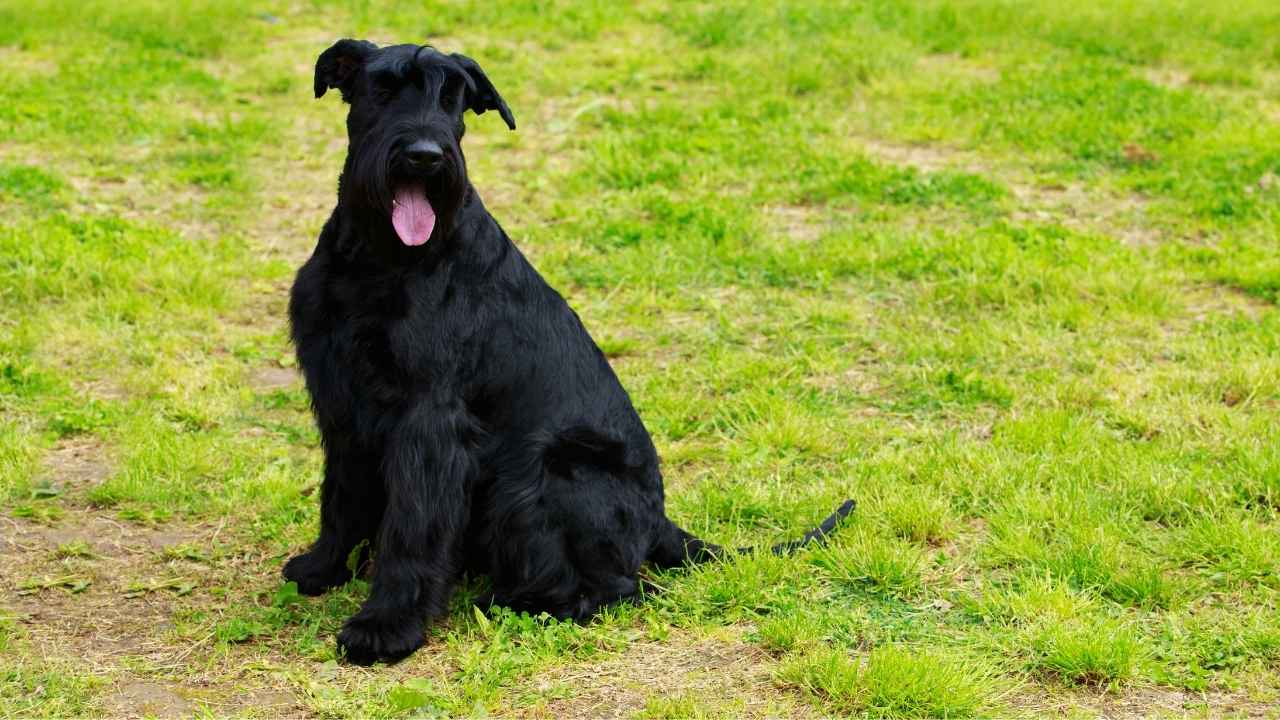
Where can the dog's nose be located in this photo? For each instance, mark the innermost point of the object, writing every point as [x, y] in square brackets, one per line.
[424, 154]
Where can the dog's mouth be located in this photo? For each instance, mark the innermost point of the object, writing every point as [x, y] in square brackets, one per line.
[412, 214]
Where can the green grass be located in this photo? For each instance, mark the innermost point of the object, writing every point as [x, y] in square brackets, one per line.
[1005, 274]
[1093, 653]
[893, 683]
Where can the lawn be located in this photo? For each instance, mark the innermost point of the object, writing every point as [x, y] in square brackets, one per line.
[1006, 273]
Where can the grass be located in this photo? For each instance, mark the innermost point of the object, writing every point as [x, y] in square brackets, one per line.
[1088, 654]
[893, 683]
[1005, 274]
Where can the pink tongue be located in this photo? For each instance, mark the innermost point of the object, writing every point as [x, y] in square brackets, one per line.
[412, 216]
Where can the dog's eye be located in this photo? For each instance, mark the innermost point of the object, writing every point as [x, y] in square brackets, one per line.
[384, 87]
[385, 93]
[451, 94]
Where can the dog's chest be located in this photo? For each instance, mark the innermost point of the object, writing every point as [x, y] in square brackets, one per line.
[368, 349]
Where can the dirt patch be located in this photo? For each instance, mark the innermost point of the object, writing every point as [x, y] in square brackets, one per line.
[274, 378]
[1205, 302]
[1143, 702]
[102, 389]
[855, 380]
[1075, 206]
[231, 699]
[146, 699]
[139, 198]
[106, 537]
[1123, 217]
[76, 463]
[711, 671]
[927, 158]
[805, 223]
[957, 66]
[96, 627]
[110, 596]
[1171, 78]
[94, 588]
[24, 62]
[270, 699]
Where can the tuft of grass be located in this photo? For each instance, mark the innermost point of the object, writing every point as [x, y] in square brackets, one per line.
[789, 632]
[31, 185]
[31, 688]
[41, 512]
[894, 682]
[1059, 533]
[1095, 652]
[1031, 599]
[75, 549]
[864, 560]
[1193, 650]
[741, 588]
[690, 705]
[1238, 550]
[920, 514]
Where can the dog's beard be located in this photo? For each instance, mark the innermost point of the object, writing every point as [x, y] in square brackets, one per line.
[414, 207]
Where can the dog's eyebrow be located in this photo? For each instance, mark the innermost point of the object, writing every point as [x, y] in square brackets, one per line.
[418, 52]
[444, 67]
[388, 66]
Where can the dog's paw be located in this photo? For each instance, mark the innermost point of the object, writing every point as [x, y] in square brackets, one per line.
[315, 574]
[371, 636]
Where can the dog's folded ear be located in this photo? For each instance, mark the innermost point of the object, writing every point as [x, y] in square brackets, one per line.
[338, 66]
[481, 95]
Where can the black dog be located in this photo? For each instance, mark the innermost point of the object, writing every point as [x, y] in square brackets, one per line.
[469, 421]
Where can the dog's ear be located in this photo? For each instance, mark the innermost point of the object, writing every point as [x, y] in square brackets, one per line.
[481, 94]
[338, 66]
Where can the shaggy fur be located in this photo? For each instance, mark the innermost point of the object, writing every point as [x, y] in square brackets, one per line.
[469, 421]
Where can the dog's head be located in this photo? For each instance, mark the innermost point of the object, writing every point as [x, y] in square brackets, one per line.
[405, 129]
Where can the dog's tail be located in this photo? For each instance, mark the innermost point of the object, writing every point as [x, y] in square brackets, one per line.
[677, 547]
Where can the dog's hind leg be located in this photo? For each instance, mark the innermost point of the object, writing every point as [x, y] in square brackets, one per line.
[427, 471]
[351, 503]
[674, 547]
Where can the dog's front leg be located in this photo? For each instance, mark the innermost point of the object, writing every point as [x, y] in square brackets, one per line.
[427, 471]
[351, 500]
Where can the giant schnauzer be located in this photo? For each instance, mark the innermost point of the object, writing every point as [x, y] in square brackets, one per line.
[469, 422]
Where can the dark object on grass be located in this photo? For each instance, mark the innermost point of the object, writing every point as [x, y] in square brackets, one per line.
[470, 423]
